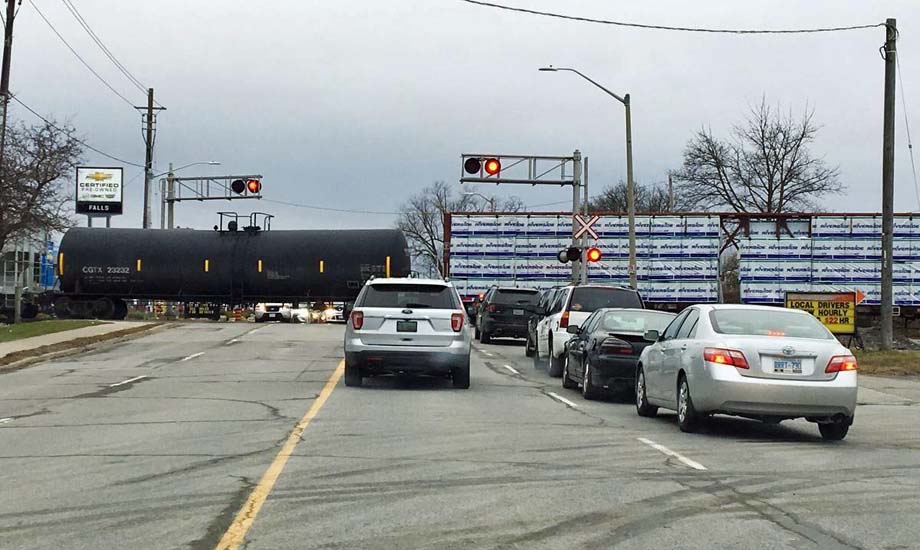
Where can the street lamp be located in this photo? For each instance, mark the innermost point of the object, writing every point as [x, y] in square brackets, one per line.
[630, 184]
[168, 190]
[490, 200]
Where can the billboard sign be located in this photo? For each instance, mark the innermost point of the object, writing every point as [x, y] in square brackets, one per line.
[836, 310]
[99, 191]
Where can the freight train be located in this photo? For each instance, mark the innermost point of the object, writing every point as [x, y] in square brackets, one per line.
[99, 269]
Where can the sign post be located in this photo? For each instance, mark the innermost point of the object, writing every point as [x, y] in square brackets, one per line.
[835, 310]
[99, 192]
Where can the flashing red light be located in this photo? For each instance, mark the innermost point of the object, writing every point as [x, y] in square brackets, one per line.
[493, 166]
[594, 254]
[254, 186]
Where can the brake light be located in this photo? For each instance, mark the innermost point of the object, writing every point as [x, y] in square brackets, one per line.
[564, 321]
[456, 321]
[840, 363]
[615, 345]
[491, 308]
[357, 319]
[730, 357]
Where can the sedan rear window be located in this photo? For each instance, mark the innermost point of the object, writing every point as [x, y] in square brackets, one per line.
[588, 299]
[510, 296]
[411, 296]
[636, 321]
[762, 322]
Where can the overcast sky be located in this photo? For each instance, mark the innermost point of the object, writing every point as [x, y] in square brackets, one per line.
[356, 104]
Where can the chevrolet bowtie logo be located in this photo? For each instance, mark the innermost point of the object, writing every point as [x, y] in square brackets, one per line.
[99, 176]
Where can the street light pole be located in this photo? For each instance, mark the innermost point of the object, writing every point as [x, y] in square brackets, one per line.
[490, 200]
[630, 184]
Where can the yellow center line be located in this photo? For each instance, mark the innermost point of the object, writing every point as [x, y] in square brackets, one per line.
[236, 533]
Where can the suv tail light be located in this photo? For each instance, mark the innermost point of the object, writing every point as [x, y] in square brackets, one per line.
[840, 363]
[357, 319]
[564, 320]
[615, 345]
[729, 357]
[456, 321]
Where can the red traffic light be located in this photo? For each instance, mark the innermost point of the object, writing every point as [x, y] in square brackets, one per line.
[493, 166]
[254, 186]
[593, 254]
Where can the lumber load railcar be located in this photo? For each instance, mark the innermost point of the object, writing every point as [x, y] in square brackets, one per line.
[101, 268]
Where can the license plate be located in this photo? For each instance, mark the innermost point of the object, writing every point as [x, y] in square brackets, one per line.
[787, 366]
[406, 326]
[518, 312]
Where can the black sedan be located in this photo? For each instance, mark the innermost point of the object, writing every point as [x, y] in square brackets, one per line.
[604, 350]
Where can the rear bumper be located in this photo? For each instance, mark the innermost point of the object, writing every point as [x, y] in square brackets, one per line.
[614, 372]
[501, 327]
[425, 362]
[723, 389]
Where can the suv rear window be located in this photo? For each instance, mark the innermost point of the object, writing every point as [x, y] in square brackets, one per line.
[762, 322]
[512, 296]
[588, 299]
[409, 296]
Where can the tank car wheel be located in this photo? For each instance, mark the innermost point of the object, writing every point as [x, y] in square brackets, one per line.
[120, 310]
[62, 308]
[103, 308]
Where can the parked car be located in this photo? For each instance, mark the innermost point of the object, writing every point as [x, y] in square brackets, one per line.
[504, 312]
[407, 326]
[604, 351]
[538, 313]
[572, 305]
[273, 312]
[760, 362]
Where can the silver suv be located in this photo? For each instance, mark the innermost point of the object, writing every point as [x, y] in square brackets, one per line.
[407, 325]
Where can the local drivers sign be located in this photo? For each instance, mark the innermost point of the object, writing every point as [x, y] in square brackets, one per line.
[99, 191]
[836, 310]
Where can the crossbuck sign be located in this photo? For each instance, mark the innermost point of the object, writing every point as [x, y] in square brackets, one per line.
[585, 226]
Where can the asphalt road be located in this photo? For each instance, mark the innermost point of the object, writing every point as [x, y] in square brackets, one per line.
[159, 442]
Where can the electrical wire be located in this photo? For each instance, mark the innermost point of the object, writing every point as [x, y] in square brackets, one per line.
[910, 145]
[378, 212]
[108, 53]
[668, 27]
[85, 64]
[87, 145]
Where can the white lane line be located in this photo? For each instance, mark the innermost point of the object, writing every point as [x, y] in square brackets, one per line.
[234, 341]
[561, 399]
[509, 367]
[661, 448]
[128, 381]
[192, 356]
[5, 420]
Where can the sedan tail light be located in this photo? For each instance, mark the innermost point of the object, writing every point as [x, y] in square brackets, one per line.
[564, 320]
[456, 321]
[357, 319]
[840, 363]
[615, 345]
[730, 357]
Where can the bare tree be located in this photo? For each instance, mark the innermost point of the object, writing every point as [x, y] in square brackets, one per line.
[38, 165]
[765, 166]
[649, 199]
[421, 218]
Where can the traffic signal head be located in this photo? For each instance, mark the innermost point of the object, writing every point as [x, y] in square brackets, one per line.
[472, 165]
[571, 254]
[593, 254]
[254, 186]
[238, 186]
[493, 166]
[251, 186]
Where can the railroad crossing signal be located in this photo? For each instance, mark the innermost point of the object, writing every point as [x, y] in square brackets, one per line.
[474, 165]
[251, 186]
[593, 254]
[585, 226]
[574, 254]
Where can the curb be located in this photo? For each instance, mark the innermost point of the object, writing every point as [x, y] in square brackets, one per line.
[75, 346]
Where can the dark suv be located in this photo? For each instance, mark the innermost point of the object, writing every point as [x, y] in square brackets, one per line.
[504, 312]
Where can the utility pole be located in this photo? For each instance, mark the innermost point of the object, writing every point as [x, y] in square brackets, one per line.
[170, 195]
[5, 75]
[670, 192]
[584, 211]
[891, 37]
[576, 209]
[148, 163]
[630, 196]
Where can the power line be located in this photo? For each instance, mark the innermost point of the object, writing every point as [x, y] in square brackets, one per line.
[378, 212]
[668, 27]
[108, 53]
[85, 64]
[910, 145]
[80, 141]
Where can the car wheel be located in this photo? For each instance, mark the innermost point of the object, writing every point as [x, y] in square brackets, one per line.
[555, 363]
[353, 375]
[537, 360]
[567, 381]
[835, 431]
[687, 417]
[477, 334]
[588, 391]
[642, 406]
[460, 376]
[485, 337]
[528, 347]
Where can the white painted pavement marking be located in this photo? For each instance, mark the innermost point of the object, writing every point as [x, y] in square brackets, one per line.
[509, 367]
[128, 381]
[192, 356]
[234, 341]
[561, 399]
[686, 461]
[5, 420]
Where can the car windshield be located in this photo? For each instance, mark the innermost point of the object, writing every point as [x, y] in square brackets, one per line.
[514, 296]
[588, 299]
[416, 296]
[635, 321]
[764, 322]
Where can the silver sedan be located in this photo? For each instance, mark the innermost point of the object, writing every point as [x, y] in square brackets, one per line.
[760, 362]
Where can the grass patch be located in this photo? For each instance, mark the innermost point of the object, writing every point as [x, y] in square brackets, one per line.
[39, 328]
[75, 344]
[896, 363]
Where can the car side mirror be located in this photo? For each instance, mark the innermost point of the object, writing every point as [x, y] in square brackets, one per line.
[573, 329]
[651, 336]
